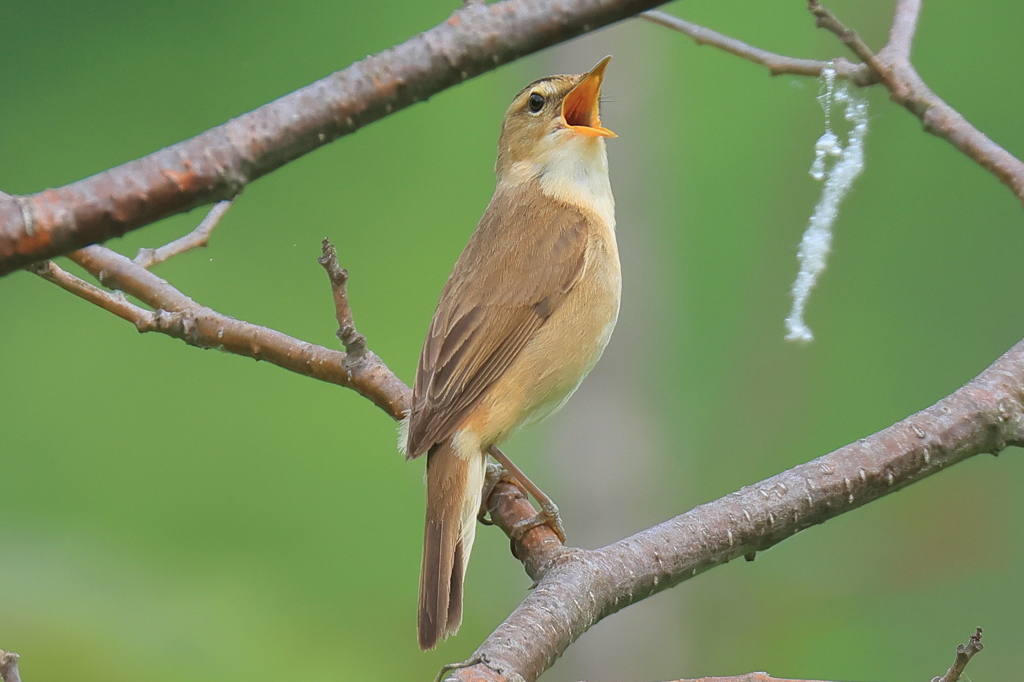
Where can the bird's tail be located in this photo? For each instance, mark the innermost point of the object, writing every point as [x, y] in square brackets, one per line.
[454, 483]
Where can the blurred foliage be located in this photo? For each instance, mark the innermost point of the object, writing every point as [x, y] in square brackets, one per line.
[172, 514]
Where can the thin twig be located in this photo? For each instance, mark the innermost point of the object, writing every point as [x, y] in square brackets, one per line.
[824, 18]
[904, 27]
[177, 315]
[9, 666]
[354, 342]
[776, 64]
[908, 89]
[200, 236]
[891, 67]
[748, 677]
[113, 302]
[964, 654]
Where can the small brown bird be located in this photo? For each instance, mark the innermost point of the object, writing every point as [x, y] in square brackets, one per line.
[525, 315]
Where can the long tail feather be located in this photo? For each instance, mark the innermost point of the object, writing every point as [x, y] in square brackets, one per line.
[453, 499]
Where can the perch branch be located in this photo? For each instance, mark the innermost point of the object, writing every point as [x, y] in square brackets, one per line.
[217, 164]
[964, 654]
[198, 237]
[576, 587]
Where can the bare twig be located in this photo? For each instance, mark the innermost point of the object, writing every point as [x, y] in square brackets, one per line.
[964, 654]
[200, 236]
[892, 67]
[354, 342]
[823, 18]
[775, 63]
[908, 89]
[111, 302]
[177, 315]
[9, 667]
[901, 34]
[217, 164]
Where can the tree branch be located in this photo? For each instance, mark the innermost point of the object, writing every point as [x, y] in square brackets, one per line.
[217, 164]
[901, 34]
[577, 588]
[776, 64]
[9, 667]
[177, 315]
[891, 67]
[354, 342]
[964, 654]
[908, 89]
[198, 237]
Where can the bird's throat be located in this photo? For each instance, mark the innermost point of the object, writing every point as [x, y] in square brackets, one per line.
[575, 172]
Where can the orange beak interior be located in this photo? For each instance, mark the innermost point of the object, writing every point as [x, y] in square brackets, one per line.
[580, 106]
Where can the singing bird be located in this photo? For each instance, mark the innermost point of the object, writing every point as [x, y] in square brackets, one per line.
[524, 316]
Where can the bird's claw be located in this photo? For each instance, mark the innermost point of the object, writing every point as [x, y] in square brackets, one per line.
[547, 516]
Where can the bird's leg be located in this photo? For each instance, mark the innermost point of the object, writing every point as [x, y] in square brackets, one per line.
[548, 514]
[493, 475]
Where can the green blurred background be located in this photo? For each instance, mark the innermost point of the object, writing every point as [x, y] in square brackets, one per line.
[171, 514]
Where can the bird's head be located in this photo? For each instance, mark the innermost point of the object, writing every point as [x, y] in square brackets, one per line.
[553, 117]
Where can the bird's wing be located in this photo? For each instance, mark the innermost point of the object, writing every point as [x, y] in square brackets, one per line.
[506, 284]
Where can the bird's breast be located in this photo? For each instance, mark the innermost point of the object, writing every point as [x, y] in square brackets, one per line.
[562, 352]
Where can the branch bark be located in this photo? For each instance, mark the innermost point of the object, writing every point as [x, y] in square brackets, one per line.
[217, 164]
[964, 654]
[9, 667]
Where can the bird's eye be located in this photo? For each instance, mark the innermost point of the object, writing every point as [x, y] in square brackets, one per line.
[536, 102]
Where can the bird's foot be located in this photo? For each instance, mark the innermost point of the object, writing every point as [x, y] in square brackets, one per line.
[547, 516]
[493, 475]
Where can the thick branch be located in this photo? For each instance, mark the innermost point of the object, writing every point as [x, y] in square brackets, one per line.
[581, 587]
[217, 164]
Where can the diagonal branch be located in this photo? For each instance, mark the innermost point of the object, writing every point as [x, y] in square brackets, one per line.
[577, 588]
[217, 164]
[908, 89]
[891, 67]
[177, 315]
[904, 27]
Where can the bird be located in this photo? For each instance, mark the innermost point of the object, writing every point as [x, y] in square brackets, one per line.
[524, 316]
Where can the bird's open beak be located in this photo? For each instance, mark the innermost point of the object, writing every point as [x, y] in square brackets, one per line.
[580, 106]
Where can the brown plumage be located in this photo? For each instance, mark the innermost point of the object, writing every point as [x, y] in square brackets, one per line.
[525, 314]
